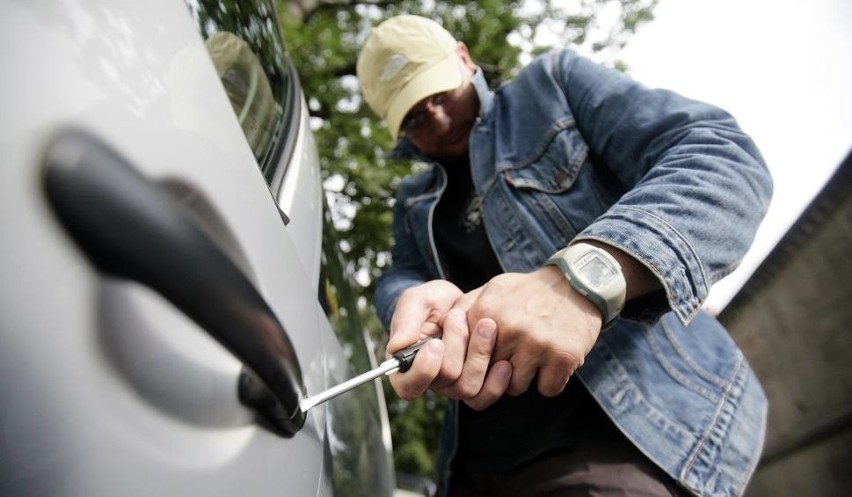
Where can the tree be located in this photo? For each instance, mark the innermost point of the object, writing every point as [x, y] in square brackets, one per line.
[324, 37]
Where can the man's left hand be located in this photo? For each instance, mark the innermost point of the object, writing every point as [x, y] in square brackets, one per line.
[546, 328]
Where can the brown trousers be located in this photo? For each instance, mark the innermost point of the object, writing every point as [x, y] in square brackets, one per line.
[603, 464]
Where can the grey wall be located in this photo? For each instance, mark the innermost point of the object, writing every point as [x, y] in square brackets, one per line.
[793, 321]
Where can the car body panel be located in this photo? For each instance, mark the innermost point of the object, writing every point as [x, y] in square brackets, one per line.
[107, 389]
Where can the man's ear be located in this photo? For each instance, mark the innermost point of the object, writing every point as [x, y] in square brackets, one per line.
[464, 54]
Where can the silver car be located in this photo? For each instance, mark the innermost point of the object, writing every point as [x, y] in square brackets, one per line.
[171, 286]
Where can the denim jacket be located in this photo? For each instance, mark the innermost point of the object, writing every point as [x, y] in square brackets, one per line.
[570, 150]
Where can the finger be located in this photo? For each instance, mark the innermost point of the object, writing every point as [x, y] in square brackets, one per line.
[406, 323]
[426, 303]
[424, 369]
[427, 330]
[400, 341]
[478, 358]
[455, 337]
[496, 383]
[466, 301]
[553, 377]
[523, 371]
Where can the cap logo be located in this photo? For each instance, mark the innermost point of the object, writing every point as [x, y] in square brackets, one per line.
[395, 64]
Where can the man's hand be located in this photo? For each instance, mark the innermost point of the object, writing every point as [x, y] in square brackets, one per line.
[546, 327]
[459, 365]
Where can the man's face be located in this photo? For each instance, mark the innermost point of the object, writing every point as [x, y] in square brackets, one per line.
[440, 125]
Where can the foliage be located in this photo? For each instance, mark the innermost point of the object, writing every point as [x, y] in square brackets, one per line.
[324, 37]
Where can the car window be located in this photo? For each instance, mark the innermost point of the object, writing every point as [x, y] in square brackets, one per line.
[360, 466]
[244, 41]
[340, 302]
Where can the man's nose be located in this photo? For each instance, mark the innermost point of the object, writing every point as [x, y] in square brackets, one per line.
[438, 119]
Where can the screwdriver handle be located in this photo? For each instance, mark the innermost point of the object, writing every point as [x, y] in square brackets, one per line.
[405, 357]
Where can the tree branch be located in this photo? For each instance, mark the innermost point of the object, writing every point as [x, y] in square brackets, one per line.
[322, 5]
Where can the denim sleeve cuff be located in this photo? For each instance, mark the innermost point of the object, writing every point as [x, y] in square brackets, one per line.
[664, 250]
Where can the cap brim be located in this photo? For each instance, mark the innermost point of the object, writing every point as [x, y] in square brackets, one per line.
[443, 76]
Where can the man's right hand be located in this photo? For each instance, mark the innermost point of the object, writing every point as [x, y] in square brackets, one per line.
[459, 364]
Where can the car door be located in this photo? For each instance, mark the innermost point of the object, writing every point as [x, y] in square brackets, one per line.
[118, 372]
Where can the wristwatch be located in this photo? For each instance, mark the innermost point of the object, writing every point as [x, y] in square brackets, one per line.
[596, 275]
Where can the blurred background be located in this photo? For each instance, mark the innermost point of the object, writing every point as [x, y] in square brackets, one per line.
[780, 67]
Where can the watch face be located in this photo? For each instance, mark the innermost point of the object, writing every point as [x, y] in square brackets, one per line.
[597, 271]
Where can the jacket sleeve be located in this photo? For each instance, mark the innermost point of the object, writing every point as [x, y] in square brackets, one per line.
[407, 270]
[695, 185]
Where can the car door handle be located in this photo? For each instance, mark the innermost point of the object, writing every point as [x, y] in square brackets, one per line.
[130, 228]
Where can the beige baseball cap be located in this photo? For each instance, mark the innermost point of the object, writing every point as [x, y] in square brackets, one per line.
[404, 60]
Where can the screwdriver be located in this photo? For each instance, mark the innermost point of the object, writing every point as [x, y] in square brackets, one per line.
[400, 362]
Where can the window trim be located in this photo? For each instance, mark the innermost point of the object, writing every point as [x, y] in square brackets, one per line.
[280, 157]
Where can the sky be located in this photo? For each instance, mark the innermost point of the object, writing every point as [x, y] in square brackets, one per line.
[783, 68]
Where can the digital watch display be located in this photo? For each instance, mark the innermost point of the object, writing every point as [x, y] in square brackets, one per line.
[596, 275]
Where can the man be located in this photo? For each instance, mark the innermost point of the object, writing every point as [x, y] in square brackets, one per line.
[570, 226]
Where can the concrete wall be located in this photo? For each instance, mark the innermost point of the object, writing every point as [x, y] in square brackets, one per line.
[793, 320]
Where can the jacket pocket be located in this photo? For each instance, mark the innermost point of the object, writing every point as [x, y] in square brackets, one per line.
[553, 166]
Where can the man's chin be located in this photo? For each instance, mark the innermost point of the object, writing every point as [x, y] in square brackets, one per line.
[457, 149]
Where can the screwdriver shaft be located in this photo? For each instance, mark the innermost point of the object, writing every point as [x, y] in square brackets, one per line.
[400, 361]
[387, 367]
